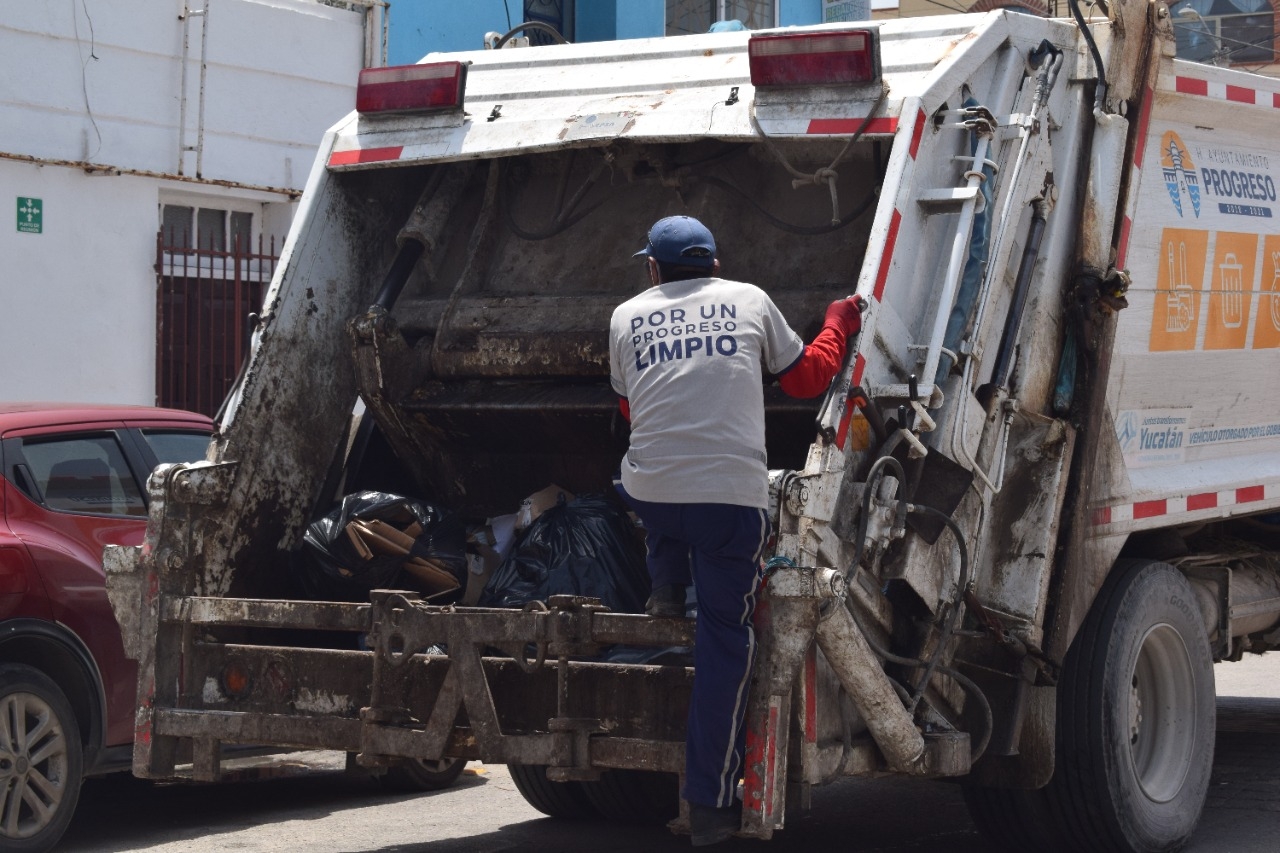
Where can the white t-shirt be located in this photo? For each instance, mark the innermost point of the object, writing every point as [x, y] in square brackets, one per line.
[689, 356]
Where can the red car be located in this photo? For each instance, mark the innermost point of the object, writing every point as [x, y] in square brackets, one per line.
[72, 479]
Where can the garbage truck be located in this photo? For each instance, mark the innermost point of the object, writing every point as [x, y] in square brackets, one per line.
[1036, 505]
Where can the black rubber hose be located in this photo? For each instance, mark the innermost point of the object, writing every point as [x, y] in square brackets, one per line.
[564, 218]
[1100, 96]
[953, 618]
[984, 706]
[846, 219]
[398, 275]
[531, 25]
[861, 536]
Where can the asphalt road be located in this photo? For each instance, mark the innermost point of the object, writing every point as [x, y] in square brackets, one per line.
[307, 804]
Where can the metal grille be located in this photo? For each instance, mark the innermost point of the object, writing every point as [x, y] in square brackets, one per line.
[204, 300]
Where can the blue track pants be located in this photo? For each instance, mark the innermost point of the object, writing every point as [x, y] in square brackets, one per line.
[717, 548]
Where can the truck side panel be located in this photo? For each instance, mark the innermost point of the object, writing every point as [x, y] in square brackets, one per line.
[1196, 373]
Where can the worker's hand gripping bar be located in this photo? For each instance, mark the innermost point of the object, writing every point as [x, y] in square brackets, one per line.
[838, 393]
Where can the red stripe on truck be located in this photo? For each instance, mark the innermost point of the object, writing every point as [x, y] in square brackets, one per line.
[1241, 94]
[883, 273]
[1209, 500]
[364, 155]
[1250, 494]
[1143, 120]
[916, 133]
[851, 125]
[1191, 86]
[1149, 509]
[1123, 250]
[1194, 503]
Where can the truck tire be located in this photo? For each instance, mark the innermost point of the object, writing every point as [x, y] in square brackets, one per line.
[635, 796]
[1136, 716]
[555, 799]
[419, 775]
[41, 760]
[1013, 819]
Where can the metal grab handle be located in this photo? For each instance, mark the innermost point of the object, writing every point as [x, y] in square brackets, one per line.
[828, 420]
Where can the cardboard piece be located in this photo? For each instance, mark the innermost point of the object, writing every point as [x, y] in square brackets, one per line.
[538, 503]
[375, 537]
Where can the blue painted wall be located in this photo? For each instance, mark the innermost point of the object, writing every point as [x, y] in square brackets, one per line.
[639, 19]
[419, 27]
[797, 12]
[597, 20]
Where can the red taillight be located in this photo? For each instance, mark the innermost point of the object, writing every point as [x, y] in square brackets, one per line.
[814, 59]
[411, 88]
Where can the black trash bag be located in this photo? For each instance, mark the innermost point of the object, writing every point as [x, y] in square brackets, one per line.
[336, 572]
[584, 547]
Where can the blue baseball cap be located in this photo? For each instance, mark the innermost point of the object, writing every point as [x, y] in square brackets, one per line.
[680, 240]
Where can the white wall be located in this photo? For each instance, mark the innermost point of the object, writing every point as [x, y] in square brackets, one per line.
[98, 82]
[105, 86]
[78, 325]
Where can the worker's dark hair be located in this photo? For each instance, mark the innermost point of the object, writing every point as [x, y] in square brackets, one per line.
[680, 272]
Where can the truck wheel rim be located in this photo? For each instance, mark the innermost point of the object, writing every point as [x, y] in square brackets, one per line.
[33, 765]
[1161, 714]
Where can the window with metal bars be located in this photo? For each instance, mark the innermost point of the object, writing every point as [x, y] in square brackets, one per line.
[205, 301]
[697, 16]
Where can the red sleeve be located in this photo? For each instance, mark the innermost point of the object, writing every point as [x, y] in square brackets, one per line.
[812, 372]
[625, 408]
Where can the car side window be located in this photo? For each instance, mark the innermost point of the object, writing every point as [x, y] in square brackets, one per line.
[85, 474]
[175, 446]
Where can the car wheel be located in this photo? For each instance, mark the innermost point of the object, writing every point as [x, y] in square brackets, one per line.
[41, 760]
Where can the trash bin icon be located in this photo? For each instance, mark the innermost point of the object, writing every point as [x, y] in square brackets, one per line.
[1275, 290]
[1179, 301]
[1232, 277]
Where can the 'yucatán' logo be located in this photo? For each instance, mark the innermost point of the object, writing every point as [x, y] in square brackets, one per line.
[1179, 172]
[1127, 431]
[1152, 436]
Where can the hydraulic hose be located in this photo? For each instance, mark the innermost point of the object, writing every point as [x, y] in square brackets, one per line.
[952, 617]
[565, 217]
[846, 219]
[1100, 93]
[860, 538]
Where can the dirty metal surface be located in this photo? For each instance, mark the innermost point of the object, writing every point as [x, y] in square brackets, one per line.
[265, 613]
[549, 702]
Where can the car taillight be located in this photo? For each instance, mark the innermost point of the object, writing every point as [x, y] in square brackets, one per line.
[815, 59]
[411, 88]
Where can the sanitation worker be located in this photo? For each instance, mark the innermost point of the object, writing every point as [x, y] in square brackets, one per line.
[687, 358]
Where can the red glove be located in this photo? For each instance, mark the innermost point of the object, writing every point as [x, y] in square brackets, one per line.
[845, 316]
[812, 372]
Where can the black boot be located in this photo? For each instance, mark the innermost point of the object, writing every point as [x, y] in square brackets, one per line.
[710, 825]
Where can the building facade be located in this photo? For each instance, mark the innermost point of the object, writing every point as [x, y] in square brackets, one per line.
[151, 152]
[1239, 33]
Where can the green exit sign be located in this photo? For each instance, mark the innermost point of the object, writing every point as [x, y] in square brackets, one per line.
[30, 215]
